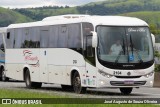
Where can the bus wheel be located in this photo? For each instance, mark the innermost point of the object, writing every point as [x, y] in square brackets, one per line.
[77, 84]
[30, 84]
[126, 91]
[4, 78]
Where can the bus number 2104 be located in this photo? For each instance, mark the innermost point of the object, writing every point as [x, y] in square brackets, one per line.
[117, 72]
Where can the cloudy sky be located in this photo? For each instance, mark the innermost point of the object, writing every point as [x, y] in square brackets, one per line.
[38, 3]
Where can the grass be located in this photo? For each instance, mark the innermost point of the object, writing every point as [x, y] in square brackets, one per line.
[8, 93]
[82, 105]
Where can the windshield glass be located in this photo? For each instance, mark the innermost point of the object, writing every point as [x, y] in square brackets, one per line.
[124, 44]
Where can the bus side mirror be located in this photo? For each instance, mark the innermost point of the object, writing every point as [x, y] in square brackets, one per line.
[153, 39]
[94, 39]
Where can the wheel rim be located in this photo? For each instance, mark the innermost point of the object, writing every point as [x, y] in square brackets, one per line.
[77, 85]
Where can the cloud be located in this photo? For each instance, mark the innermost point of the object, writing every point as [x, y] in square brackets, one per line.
[39, 3]
[25, 3]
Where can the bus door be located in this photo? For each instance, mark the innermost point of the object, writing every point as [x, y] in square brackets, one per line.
[90, 62]
[44, 35]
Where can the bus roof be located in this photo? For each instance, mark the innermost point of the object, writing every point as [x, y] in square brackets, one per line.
[95, 20]
[3, 29]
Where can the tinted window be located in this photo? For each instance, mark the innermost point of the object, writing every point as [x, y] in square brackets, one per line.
[10, 40]
[87, 28]
[18, 37]
[53, 37]
[74, 36]
[1, 42]
[44, 36]
[62, 36]
[31, 38]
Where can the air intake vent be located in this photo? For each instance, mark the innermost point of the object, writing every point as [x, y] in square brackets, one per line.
[127, 77]
[123, 83]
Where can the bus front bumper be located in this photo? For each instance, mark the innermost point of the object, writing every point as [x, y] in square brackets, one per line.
[126, 82]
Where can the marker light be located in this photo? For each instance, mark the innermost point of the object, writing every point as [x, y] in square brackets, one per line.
[102, 82]
[151, 82]
[149, 74]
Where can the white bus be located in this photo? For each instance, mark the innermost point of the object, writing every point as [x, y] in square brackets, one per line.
[77, 51]
[2, 54]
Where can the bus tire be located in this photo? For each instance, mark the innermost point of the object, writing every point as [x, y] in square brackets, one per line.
[77, 84]
[126, 91]
[30, 84]
[0, 74]
[4, 78]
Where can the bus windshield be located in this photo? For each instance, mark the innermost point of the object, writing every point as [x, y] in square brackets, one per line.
[124, 44]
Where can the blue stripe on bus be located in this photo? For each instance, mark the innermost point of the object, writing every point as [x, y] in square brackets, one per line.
[2, 61]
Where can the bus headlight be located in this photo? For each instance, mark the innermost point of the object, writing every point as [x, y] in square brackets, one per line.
[105, 74]
[148, 75]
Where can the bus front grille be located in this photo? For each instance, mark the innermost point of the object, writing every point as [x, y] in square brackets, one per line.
[127, 77]
[127, 83]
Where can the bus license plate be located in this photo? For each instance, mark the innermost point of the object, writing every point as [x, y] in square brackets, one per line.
[129, 82]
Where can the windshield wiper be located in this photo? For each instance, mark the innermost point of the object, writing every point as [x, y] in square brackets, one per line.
[134, 49]
[124, 47]
[120, 53]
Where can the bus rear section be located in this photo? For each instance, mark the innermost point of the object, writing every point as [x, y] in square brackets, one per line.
[2, 54]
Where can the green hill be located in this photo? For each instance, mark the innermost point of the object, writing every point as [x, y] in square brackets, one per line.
[9, 16]
[42, 12]
[151, 17]
[108, 7]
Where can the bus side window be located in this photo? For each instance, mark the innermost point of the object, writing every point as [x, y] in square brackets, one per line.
[89, 46]
[1, 43]
[88, 50]
[2, 47]
[44, 38]
[31, 37]
[8, 35]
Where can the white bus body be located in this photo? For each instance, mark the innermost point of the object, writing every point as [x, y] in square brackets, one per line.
[74, 49]
[3, 31]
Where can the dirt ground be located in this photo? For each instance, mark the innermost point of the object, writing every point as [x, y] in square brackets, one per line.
[157, 79]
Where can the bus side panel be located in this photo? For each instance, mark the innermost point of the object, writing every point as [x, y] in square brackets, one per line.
[13, 62]
[33, 61]
[60, 64]
[43, 65]
[91, 75]
[22, 57]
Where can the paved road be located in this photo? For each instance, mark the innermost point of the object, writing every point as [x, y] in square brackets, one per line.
[91, 93]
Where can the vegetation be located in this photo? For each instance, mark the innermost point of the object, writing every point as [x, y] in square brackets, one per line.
[9, 16]
[151, 17]
[40, 13]
[7, 93]
[157, 66]
[110, 7]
